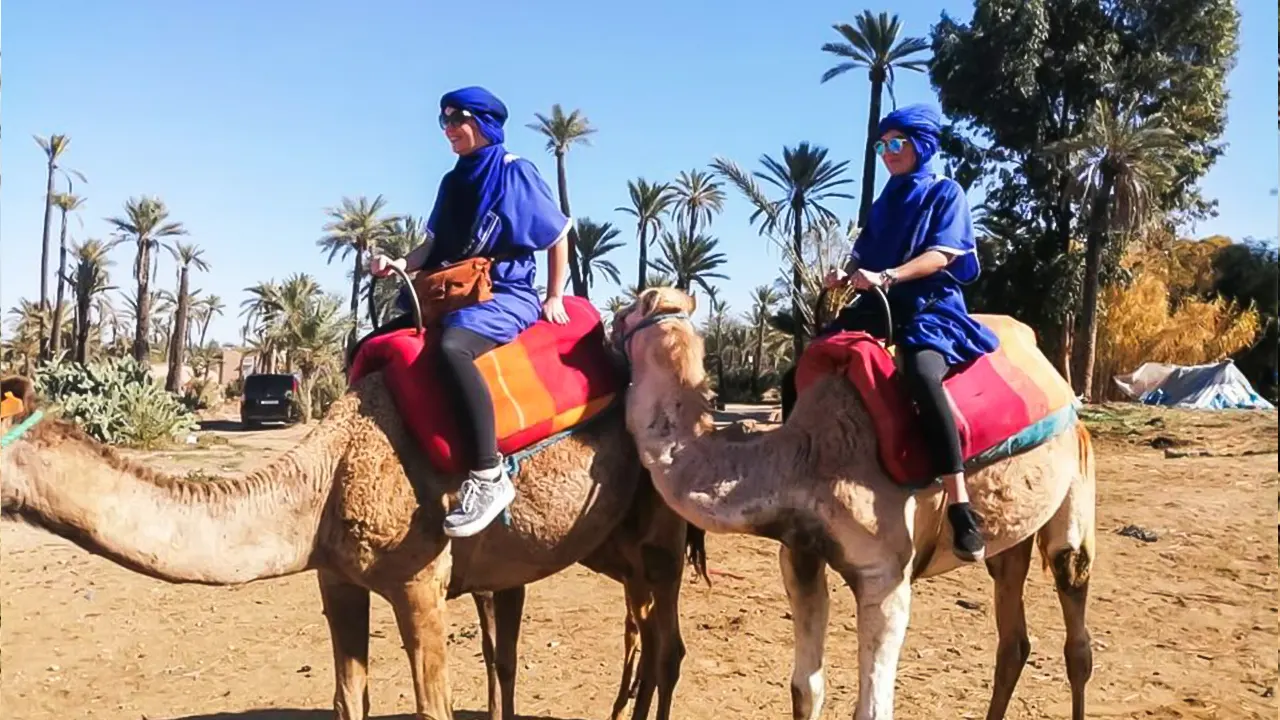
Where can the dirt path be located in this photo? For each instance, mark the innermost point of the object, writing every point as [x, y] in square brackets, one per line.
[1184, 627]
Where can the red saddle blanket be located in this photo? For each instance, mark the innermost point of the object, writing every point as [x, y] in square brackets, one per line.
[993, 398]
[550, 378]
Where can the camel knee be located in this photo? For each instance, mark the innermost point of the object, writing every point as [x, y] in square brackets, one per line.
[1071, 568]
[1015, 650]
[1079, 655]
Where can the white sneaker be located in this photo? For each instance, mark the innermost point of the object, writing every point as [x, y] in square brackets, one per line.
[480, 502]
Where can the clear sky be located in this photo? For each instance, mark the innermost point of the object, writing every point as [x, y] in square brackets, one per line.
[249, 118]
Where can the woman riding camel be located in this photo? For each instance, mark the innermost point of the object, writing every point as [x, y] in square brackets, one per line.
[918, 246]
[495, 205]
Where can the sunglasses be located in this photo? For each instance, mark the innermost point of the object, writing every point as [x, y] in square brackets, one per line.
[894, 146]
[454, 119]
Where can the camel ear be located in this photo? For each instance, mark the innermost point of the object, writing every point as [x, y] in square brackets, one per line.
[649, 301]
[17, 397]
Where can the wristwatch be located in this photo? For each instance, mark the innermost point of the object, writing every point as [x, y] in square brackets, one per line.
[888, 277]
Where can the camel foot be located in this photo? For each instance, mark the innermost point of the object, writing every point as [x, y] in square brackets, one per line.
[967, 541]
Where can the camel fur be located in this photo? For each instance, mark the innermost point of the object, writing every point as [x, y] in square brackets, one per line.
[815, 484]
[359, 503]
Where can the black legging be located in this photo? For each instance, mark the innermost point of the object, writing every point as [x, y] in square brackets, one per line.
[459, 349]
[923, 371]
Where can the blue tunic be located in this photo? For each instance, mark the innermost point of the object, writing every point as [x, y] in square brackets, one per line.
[915, 213]
[496, 205]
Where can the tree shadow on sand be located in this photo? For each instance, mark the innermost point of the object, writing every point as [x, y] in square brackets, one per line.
[328, 715]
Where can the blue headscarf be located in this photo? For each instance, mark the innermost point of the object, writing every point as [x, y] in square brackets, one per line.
[921, 124]
[918, 210]
[489, 112]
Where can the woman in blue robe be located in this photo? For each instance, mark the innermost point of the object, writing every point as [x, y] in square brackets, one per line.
[918, 246]
[491, 204]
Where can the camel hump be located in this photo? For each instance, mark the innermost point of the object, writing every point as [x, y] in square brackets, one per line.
[17, 397]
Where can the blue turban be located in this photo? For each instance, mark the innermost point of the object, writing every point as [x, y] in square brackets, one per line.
[489, 112]
[921, 124]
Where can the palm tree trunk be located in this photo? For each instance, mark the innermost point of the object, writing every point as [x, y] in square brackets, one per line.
[755, 361]
[869, 152]
[373, 306]
[644, 258]
[83, 301]
[178, 342]
[55, 337]
[1092, 269]
[44, 261]
[355, 300]
[797, 239]
[142, 328]
[575, 270]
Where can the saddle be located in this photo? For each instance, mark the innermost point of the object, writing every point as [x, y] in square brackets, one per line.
[1008, 401]
[549, 380]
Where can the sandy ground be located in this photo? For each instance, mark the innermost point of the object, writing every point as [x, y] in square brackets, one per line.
[1184, 627]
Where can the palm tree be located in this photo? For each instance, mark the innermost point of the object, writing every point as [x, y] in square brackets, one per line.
[53, 147]
[807, 179]
[562, 132]
[697, 197]
[203, 313]
[66, 202]
[90, 282]
[717, 322]
[872, 43]
[648, 202]
[187, 255]
[689, 260]
[653, 279]
[595, 240]
[763, 300]
[356, 227]
[145, 223]
[1121, 161]
[407, 233]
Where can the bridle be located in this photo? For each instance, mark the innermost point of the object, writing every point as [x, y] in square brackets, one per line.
[623, 343]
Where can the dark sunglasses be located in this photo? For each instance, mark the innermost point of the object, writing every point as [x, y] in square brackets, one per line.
[894, 146]
[454, 119]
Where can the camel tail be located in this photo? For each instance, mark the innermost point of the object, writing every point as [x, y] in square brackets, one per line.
[1068, 541]
[696, 546]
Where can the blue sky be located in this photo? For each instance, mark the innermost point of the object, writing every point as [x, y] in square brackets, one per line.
[248, 118]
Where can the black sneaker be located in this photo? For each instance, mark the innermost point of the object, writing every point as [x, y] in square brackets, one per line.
[967, 541]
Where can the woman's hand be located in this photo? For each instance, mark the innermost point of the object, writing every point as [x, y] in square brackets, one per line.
[865, 280]
[553, 310]
[836, 278]
[380, 266]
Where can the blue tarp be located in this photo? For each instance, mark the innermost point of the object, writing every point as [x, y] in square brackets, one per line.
[1216, 386]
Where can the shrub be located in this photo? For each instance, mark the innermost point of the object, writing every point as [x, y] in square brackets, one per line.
[201, 394]
[115, 401]
[325, 391]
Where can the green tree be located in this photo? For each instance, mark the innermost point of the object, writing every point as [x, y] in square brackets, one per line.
[562, 132]
[595, 240]
[648, 202]
[697, 197]
[66, 202]
[807, 180]
[53, 147]
[763, 300]
[145, 224]
[690, 260]
[188, 256]
[356, 228]
[89, 282]
[872, 42]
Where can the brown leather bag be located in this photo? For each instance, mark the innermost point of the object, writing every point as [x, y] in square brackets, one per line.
[453, 287]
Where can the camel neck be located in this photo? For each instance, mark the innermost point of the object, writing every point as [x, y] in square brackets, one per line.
[219, 531]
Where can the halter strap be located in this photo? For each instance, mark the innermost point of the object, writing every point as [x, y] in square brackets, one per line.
[655, 319]
[21, 429]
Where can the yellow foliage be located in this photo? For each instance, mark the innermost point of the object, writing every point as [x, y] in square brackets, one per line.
[1162, 315]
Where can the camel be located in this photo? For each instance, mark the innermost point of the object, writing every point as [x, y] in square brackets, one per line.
[357, 501]
[815, 484]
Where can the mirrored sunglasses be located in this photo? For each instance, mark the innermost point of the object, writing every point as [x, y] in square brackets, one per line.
[454, 119]
[894, 146]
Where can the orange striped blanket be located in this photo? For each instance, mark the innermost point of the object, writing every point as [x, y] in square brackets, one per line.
[1004, 402]
[548, 380]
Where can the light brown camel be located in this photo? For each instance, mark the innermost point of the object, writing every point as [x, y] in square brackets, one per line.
[357, 501]
[815, 484]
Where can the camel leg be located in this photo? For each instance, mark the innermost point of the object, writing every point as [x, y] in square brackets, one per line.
[508, 608]
[419, 609]
[804, 576]
[346, 608]
[629, 686]
[1009, 571]
[665, 579]
[884, 609]
[488, 644]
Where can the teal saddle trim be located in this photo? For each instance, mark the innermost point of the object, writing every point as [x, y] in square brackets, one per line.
[20, 429]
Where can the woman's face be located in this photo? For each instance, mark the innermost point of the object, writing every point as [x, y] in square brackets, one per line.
[461, 130]
[897, 152]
